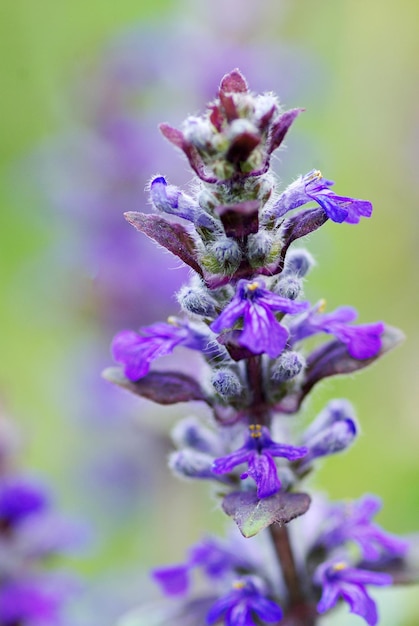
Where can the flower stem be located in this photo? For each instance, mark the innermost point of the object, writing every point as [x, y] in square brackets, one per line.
[300, 612]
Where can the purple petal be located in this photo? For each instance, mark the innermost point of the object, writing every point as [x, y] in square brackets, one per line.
[233, 311]
[329, 597]
[262, 332]
[363, 342]
[267, 610]
[262, 468]
[360, 602]
[172, 580]
[226, 464]
[292, 453]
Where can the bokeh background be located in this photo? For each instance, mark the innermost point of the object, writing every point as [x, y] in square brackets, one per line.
[83, 88]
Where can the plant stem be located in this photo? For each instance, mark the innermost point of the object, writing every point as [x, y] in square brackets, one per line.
[282, 545]
[300, 611]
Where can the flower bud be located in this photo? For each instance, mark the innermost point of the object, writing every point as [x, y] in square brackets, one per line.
[288, 365]
[225, 255]
[226, 383]
[331, 440]
[198, 131]
[189, 463]
[191, 433]
[196, 301]
[298, 262]
[335, 411]
[259, 247]
[288, 287]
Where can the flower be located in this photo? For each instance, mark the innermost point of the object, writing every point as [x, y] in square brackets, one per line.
[352, 522]
[19, 498]
[362, 341]
[36, 600]
[240, 606]
[256, 305]
[340, 579]
[258, 452]
[313, 186]
[136, 351]
[211, 555]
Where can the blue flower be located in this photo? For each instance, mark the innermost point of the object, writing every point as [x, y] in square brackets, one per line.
[338, 578]
[19, 498]
[240, 606]
[255, 306]
[258, 452]
[136, 351]
[352, 521]
[313, 186]
[362, 341]
[211, 555]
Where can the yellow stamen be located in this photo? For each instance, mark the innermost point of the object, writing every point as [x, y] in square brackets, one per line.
[338, 567]
[316, 175]
[321, 306]
[172, 320]
[255, 431]
[253, 286]
[239, 584]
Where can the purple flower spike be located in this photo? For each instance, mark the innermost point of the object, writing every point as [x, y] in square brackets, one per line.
[362, 341]
[240, 606]
[313, 186]
[261, 333]
[340, 579]
[353, 522]
[258, 452]
[136, 351]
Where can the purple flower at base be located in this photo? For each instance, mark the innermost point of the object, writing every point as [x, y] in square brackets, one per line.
[242, 605]
[261, 333]
[258, 452]
[362, 341]
[19, 498]
[313, 187]
[211, 555]
[352, 522]
[35, 601]
[339, 579]
[136, 351]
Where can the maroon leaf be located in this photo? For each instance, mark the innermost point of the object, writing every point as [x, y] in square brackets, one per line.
[233, 82]
[294, 228]
[177, 138]
[160, 387]
[240, 220]
[174, 237]
[281, 127]
[253, 514]
[333, 359]
[242, 147]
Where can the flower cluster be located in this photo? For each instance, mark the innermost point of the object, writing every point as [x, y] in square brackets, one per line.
[244, 311]
[31, 533]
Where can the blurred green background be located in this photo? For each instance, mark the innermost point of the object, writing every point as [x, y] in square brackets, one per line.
[362, 128]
